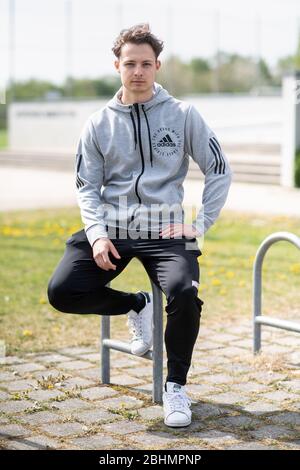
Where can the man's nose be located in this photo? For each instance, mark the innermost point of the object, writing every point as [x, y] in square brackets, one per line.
[138, 71]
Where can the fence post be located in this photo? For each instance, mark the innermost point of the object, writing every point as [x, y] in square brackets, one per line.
[291, 127]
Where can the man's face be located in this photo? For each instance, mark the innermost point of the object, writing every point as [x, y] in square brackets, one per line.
[137, 66]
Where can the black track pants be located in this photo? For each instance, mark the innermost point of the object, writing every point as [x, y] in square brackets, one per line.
[78, 285]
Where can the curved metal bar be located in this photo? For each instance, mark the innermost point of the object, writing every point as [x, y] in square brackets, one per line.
[155, 355]
[258, 318]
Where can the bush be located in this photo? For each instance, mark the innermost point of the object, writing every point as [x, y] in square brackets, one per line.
[297, 169]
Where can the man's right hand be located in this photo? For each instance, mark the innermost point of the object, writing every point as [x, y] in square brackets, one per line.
[101, 248]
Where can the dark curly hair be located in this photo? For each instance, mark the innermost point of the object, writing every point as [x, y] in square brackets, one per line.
[137, 34]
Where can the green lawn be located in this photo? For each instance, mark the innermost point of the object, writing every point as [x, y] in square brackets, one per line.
[32, 243]
[3, 138]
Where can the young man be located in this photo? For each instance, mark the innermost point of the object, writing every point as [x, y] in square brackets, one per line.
[136, 150]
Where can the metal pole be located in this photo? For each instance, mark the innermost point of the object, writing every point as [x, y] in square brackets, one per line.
[11, 41]
[68, 46]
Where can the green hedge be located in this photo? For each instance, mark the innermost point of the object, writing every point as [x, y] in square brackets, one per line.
[297, 169]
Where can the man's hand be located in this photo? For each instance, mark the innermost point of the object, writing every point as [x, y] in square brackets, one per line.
[173, 230]
[101, 248]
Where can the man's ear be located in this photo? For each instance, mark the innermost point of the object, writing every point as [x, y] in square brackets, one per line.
[117, 63]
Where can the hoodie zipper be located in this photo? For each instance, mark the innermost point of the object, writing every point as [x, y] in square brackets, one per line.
[136, 106]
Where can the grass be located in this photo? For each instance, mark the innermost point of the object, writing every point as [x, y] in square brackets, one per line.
[33, 242]
[3, 139]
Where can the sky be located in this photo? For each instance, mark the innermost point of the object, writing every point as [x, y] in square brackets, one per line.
[189, 28]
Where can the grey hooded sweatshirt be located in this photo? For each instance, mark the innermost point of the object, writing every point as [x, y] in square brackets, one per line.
[131, 162]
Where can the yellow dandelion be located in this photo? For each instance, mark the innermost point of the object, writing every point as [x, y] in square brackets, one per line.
[211, 273]
[216, 282]
[295, 268]
[230, 274]
[27, 333]
[222, 291]
[42, 300]
[281, 276]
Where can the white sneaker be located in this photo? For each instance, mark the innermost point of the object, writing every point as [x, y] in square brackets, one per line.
[141, 326]
[176, 405]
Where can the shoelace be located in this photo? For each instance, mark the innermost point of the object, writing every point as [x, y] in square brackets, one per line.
[178, 400]
[136, 325]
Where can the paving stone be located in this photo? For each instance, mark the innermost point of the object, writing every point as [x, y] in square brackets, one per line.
[149, 439]
[42, 395]
[72, 404]
[28, 367]
[198, 369]
[271, 432]
[206, 410]
[239, 421]
[218, 379]
[121, 402]
[10, 360]
[19, 385]
[4, 395]
[144, 388]
[244, 343]
[291, 418]
[240, 330]
[92, 374]
[127, 427]
[139, 371]
[267, 377]
[292, 385]
[53, 358]
[96, 442]
[76, 351]
[250, 446]
[214, 437]
[152, 412]
[236, 368]
[7, 376]
[294, 444]
[74, 382]
[93, 357]
[208, 346]
[200, 389]
[280, 395]
[229, 398]
[289, 341]
[96, 415]
[40, 417]
[274, 349]
[74, 365]
[95, 393]
[55, 373]
[128, 362]
[63, 429]
[233, 351]
[13, 430]
[15, 406]
[123, 379]
[248, 387]
[33, 443]
[260, 408]
[225, 338]
[4, 419]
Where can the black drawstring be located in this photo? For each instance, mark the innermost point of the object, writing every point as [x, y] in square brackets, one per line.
[149, 136]
[134, 127]
[149, 133]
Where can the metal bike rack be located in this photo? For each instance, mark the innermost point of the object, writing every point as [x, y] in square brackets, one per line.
[258, 318]
[155, 355]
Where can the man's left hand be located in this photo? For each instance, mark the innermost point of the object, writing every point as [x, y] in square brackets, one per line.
[173, 230]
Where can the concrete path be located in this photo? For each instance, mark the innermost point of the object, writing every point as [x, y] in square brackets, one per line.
[27, 188]
[55, 399]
